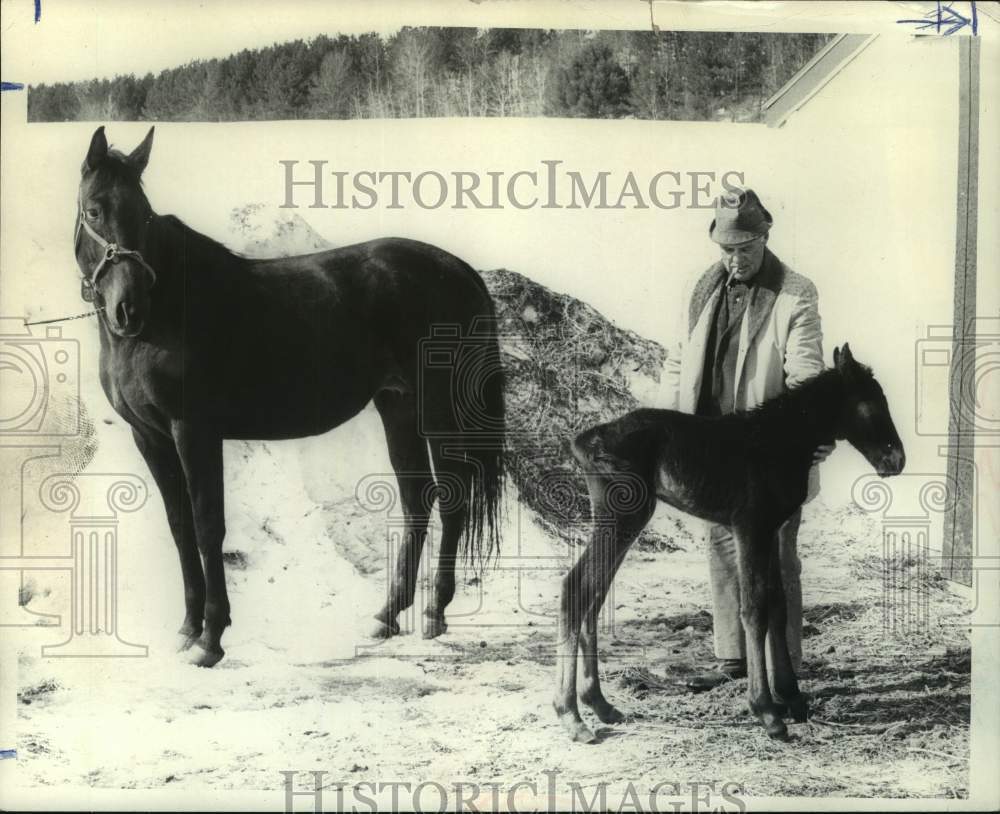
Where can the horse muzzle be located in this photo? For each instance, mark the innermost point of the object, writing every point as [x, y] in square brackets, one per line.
[124, 319]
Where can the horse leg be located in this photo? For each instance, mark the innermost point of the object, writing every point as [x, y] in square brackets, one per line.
[786, 687]
[200, 453]
[408, 454]
[455, 477]
[164, 464]
[753, 559]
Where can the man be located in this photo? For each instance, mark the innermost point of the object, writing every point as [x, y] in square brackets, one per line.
[753, 331]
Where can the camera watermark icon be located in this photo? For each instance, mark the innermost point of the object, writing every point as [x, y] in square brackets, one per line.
[460, 381]
[461, 372]
[964, 374]
[39, 381]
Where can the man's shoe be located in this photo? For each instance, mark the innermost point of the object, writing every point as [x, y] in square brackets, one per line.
[727, 670]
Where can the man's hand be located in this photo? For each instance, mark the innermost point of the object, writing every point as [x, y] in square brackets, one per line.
[822, 452]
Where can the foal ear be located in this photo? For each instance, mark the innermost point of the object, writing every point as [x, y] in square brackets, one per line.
[140, 155]
[842, 357]
[98, 149]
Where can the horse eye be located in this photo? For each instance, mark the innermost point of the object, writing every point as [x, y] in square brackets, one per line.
[93, 212]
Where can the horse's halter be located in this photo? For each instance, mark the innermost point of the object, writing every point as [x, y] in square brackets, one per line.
[112, 254]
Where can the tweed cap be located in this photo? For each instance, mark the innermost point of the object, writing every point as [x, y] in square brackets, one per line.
[739, 217]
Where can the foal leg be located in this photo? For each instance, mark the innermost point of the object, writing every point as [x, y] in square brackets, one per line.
[200, 452]
[408, 454]
[753, 552]
[583, 593]
[578, 592]
[164, 464]
[786, 686]
[590, 693]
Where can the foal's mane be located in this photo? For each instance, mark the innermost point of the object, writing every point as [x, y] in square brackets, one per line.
[783, 421]
[814, 403]
[801, 395]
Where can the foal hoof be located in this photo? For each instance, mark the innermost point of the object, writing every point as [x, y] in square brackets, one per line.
[609, 714]
[434, 626]
[577, 729]
[573, 724]
[797, 709]
[605, 711]
[201, 654]
[383, 630]
[776, 729]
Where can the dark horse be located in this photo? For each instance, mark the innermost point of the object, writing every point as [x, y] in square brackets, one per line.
[748, 471]
[200, 345]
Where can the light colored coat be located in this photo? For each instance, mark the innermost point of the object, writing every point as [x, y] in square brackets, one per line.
[780, 344]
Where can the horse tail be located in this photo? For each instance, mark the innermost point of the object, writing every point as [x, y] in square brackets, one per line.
[484, 446]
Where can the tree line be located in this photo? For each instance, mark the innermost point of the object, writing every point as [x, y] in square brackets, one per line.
[421, 72]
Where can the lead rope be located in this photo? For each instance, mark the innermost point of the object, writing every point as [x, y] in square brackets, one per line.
[62, 319]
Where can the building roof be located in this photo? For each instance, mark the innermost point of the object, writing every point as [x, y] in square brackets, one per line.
[805, 84]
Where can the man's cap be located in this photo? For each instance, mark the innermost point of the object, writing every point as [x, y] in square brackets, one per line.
[739, 217]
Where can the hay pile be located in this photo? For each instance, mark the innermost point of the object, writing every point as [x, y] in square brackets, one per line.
[567, 369]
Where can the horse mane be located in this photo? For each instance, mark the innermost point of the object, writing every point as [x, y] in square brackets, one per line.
[193, 238]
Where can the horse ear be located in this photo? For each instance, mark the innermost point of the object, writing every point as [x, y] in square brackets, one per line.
[98, 149]
[836, 357]
[848, 356]
[140, 155]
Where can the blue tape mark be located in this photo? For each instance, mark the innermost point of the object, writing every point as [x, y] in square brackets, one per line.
[11, 86]
[8, 754]
[38, 10]
[946, 20]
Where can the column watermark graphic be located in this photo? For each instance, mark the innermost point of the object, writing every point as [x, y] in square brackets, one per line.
[911, 508]
[93, 503]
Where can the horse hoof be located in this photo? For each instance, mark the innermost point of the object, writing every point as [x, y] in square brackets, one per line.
[434, 626]
[187, 635]
[203, 655]
[383, 630]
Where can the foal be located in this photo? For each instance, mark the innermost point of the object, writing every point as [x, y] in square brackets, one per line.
[748, 471]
